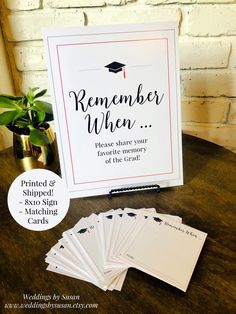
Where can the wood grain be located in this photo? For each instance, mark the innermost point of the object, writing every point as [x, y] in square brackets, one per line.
[207, 201]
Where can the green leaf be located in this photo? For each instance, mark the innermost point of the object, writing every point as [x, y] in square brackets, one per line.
[49, 117]
[44, 106]
[7, 103]
[34, 108]
[37, 137]
[23, 102]
[30, 96]
[40, 94]
[41, 116]
[11, 97]
[20, 114]
[7, 117]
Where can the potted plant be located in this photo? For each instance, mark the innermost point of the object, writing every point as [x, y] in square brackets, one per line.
[34, 141]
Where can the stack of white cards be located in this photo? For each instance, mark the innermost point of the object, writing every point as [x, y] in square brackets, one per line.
[100, 248]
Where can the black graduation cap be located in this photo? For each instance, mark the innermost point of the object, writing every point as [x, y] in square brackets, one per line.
[82, 230]
[109, 217]
[61, 247]
[157, 219]
[115, 67]
[131, 214]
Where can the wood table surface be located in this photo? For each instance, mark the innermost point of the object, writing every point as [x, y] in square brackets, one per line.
[207, 201]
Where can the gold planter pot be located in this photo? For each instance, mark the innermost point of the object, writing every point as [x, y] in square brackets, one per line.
[29, 157]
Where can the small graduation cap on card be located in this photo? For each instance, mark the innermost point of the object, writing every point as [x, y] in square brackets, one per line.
[82, 230]
[116, 67]
[131, 214]
[109, 217]
[157, 219]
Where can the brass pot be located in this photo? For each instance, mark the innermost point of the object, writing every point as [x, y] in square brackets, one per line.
[29, 157]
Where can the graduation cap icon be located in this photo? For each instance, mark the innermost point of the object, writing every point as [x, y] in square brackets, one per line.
[61, 247]
[82, 230]
[116, 67]
[109, 217]
[157, 219]
[131, 214]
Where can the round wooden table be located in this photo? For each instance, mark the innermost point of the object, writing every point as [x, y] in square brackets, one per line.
[207, 201]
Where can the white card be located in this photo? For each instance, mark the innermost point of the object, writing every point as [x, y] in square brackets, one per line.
[107, 221]
[114, 234]
[127, 224]
[166, 250]
[61, 270]
[68, 260]
[82, 255]
[129, 219]
[86, 236]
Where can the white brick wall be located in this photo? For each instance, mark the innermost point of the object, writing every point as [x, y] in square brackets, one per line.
[207, 41]
[25, 26]
[37, 78]
[212, 20]
[36, 62]
[73, 3]
[194, 54]
[232, 113]
[22, 4]
[132, 14]
[205, 110]
[209, 82]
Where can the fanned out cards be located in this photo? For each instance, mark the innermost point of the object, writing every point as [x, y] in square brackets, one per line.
[100, 248]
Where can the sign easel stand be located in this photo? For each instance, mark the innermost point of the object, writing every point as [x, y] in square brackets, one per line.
[154, 187]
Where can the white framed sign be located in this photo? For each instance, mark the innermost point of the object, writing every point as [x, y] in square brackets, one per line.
[116, 101]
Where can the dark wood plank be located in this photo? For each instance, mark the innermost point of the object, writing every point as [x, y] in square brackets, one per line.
[207, 201]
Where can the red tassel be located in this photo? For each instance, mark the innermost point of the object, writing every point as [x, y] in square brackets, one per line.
[124, 74]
